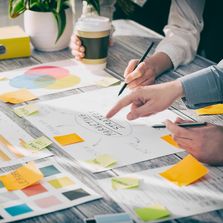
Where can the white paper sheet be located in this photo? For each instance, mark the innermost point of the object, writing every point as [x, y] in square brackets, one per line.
[49, 78]
[46, 196]
[11, 152]
[203, 196]
[83, 114]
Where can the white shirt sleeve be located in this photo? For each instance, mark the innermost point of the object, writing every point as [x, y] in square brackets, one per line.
[182, 33]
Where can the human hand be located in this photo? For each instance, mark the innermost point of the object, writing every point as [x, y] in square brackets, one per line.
[204, 143]
[148, 100]
[77, 49]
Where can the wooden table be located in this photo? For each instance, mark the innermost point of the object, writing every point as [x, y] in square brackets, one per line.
[123, 49]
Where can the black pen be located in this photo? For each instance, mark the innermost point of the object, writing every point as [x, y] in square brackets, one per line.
[188, 124]
[140, 61]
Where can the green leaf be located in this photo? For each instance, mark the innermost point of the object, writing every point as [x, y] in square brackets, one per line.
[61, 22]
[16, 7]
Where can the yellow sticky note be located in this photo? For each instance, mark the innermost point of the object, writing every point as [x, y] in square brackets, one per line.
[108, 81]
[61, 182]
[125, 183]
[3, 78]
[22, 177]
[26, 110]
[72, 138]
[19, 96]
[185, 172]
[104, 160]
[169, 139]
[211, 110]
[38, 144]
[152, 213]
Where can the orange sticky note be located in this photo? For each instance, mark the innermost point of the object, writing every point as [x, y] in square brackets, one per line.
[19, 96]
[22, 177]
[211, 110]
[169, 139]
[72, 138]
[185, 172]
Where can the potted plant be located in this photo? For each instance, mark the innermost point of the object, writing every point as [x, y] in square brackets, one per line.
[49, 23]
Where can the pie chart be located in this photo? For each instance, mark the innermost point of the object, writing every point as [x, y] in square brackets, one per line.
[47, 77]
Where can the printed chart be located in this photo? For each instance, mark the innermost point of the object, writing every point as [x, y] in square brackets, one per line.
[203, 196]
[117, 141]
[11, 150]
[48, 78]
[56, 191]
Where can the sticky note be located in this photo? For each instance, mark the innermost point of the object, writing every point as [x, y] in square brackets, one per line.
[64, 140]
[3, 78]
[19, 96]
[185, 172]
[113, 218]
[26, 110]
[152, 213]
[108, 81]
[104, 160]
[61, 182]
[211, 110]
[38, 144]
[22, 177]
[124, 183]
[169, 139]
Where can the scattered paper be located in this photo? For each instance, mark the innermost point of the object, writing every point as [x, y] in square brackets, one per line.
[125, 183]
[104, 160]
[19, 96]
[169, 139]
[185, 172]
[69, 139]
[22, 177]
[37, 144]
[211, 110]
[151, 213]
[108, 81]
[26, 110]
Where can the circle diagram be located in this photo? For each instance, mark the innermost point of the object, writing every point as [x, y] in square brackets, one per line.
[48, 77]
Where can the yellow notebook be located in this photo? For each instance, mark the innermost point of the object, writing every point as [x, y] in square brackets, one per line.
[14, 43]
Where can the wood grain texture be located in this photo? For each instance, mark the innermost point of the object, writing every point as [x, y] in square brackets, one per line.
[122, 50]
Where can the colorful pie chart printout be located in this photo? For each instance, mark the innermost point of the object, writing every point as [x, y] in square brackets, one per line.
[49, 78]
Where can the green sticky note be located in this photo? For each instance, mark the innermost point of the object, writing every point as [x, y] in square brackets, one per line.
[38, 144]
[152, 213]
[26, 110]
[104, 160]
[125, 183]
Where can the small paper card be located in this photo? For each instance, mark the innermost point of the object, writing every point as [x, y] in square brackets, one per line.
[26, 110]
[211, 110]
[72, 138]
[124, 183]
[108, 81]
[169, 139]
[38, 144]
[185, 172]
[104, 160]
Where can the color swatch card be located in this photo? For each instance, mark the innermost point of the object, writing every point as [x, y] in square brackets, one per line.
[12, 150]
[157, 199]
[49, 78]
[78, 125]
[57, 190]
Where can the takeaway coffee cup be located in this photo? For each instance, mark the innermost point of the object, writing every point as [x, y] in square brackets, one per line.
[94, 31]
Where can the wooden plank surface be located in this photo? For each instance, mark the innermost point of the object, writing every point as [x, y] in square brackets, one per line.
[122, 50]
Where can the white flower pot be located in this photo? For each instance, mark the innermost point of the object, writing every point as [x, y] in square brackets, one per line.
[42, 29]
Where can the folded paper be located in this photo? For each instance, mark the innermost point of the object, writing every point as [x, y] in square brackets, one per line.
[185, 172]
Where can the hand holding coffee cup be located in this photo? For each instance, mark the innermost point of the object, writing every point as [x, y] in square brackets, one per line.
[91, 39]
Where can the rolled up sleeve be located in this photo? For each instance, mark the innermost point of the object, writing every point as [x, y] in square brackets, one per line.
[182, 34]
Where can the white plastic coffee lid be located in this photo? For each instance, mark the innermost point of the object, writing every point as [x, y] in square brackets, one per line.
[93, 24]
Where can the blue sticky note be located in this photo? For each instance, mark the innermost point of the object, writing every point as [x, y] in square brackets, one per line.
[49, 170]
[18, 209]
[113, 218]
